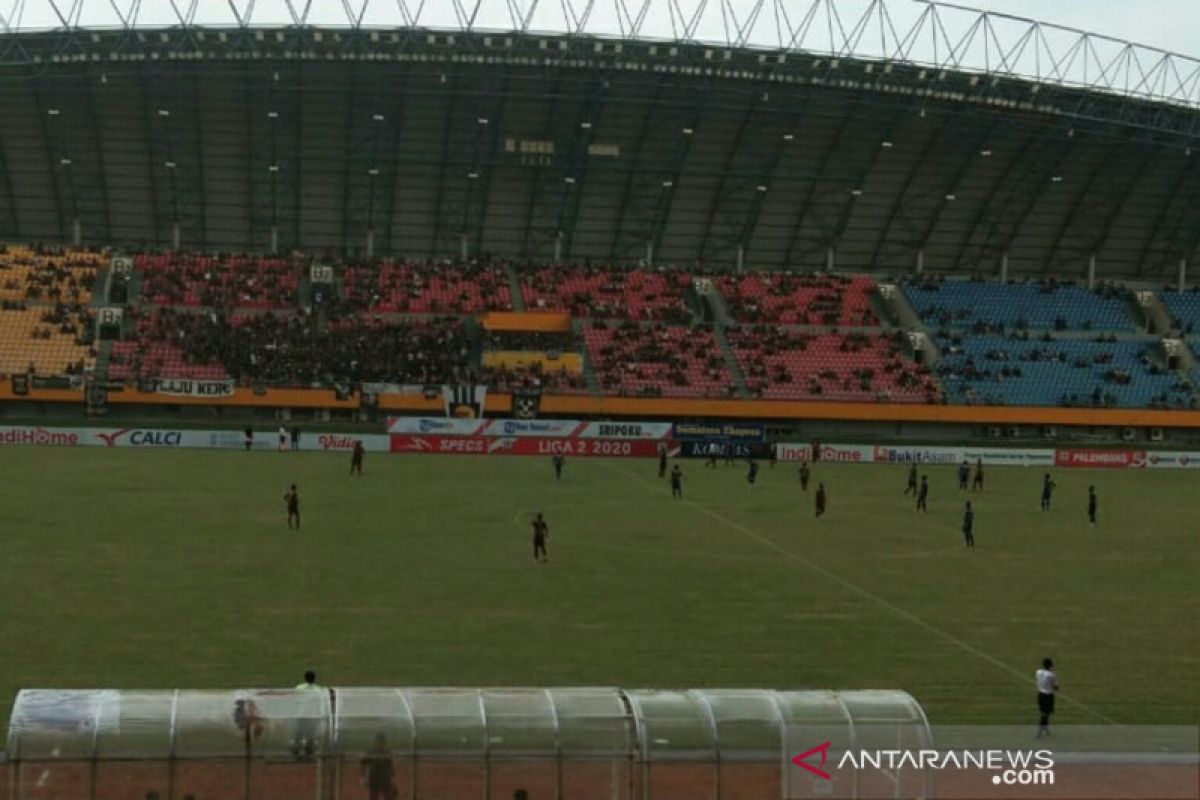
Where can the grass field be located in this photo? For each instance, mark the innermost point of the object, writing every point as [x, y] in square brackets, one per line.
[159, 568]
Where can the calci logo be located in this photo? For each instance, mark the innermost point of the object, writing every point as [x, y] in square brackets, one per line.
[835, 768]
[137, 437]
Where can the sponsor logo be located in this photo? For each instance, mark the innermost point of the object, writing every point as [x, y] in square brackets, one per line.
[728, 431]
[411, 444]
[331, 441]
[142, 438]
[618, 430]
[38, 436]
[1100, 458]
[434, 425]
[850, 454]
[908, 455]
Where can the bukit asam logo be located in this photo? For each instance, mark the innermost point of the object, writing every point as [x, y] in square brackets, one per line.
[1005, 767]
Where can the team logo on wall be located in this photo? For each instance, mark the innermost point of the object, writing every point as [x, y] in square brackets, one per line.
[526, 402]
[464, 401]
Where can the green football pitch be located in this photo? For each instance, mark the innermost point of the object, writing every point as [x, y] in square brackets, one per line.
[155, 568]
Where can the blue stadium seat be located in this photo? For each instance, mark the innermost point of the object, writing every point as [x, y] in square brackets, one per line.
[999, 370]
[968, 304]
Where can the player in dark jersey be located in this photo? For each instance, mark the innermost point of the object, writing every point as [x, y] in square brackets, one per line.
[752, 472]
[292, 499]
[541, 533]
[356, 458]
[1092, 505]
[714, 450]
[911, 486]
[248, 437]
[923, 494]
[677, 482]
[977, 481]
[1047, 491]
[558, 460]
[964, 474]
[820, 500]
[804, 476]
[662, 461]
[968, 525]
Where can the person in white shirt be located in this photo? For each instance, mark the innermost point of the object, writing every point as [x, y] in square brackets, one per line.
[1047, 685]
[283, 438]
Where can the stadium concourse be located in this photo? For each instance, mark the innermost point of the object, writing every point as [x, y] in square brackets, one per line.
[632, 332]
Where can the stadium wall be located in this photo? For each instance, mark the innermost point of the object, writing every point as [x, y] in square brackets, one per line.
[647, 408]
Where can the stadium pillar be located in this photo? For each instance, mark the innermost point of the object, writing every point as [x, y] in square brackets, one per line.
[175, 235]
[829, 260]
[370, 242]
[274, 239]
[920, 261]
[1092, 271]
[650, 253]
[558, 248]
[741, 258]
[462, 246]
[76, 232]
[1004, 267]
[1182, 275]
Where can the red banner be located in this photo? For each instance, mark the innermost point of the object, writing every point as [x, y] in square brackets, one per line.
[1112, 459]
[524, 446]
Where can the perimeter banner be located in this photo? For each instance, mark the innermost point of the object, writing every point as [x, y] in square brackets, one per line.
[1108, 459]
[720, 431]
[557, 428]
[193, 388]
[434, 444]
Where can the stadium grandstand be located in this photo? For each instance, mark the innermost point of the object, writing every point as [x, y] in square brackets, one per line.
[832, 209]
[864, 236]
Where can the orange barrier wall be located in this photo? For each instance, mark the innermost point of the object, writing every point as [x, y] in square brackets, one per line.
[647, 407]
[548, 321]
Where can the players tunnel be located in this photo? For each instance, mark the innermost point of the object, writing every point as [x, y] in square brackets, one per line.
[457, 744]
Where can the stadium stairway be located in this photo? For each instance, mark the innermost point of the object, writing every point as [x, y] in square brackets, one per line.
[514, 289]
[739, 380]
[1158, 319]
[589, 374]
[896, 309]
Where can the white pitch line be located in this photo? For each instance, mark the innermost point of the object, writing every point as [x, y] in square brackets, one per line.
[856, 589]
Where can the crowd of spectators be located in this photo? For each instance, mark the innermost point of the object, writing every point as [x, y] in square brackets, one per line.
[427, 287]
[221, 281]
[658, 360]
[538, 341]
[1102, 372]
[794, 299]
[607, 292]
[297, 349]
[783, 364]
[534, 376]
[48, 274]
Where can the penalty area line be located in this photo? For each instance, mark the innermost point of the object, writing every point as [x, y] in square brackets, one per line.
[850, 586]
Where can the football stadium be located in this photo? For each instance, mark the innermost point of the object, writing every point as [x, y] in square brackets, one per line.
[596, 400]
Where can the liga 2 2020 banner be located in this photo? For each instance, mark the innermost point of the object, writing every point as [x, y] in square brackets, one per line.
[437, 444]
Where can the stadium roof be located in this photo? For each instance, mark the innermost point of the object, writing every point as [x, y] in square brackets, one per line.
[794, 134]
[939, 35]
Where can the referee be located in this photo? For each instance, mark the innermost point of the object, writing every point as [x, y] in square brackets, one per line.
[1047, 685]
